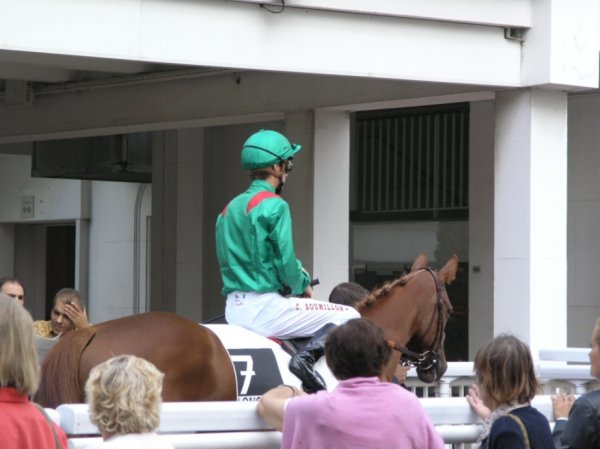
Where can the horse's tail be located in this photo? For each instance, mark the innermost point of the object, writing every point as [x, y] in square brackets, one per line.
[59, 382]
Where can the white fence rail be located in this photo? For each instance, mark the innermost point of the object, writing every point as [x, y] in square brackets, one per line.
[225, 425]
[199, 425]
[565, 368]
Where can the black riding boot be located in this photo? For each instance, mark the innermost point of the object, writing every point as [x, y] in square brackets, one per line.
[303, 362]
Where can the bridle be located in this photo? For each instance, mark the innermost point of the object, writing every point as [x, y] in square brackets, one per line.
[429, 358]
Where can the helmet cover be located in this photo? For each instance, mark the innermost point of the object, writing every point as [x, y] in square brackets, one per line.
[266, 148]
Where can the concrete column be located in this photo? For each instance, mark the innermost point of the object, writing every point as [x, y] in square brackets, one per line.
[530, 251]
[82, 255]
[163, 284]
[481, 224]
[7, 249]
[331, 198]
[190, 208]
[299, 187]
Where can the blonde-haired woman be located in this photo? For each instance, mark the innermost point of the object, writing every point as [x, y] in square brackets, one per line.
[124, 396]
[23, 424]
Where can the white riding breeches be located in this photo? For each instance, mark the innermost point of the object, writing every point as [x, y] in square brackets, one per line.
[273, 315]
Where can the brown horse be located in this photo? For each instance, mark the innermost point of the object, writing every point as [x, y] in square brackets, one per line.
[195, 362]
[412, 310]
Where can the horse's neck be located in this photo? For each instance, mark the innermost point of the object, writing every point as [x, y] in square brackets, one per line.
[399, 315]
[395, 316]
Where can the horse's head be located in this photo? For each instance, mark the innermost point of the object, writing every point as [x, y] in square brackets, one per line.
[426, 351]
[413, 311]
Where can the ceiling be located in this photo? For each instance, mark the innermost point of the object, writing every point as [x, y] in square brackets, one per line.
[23, 75]
[47, 68]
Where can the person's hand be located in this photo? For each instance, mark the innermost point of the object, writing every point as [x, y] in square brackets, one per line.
[77, 316]
[561, 404]
[401, 373]
[476, 403]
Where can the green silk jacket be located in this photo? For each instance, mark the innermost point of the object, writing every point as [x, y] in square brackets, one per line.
[255, 246]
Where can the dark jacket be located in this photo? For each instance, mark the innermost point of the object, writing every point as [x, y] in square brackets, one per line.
[582, 429]
[506, 433]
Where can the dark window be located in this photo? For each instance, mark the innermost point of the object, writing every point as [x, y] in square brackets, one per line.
[412, 164]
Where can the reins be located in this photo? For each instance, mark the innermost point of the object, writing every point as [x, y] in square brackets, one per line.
[429, 358]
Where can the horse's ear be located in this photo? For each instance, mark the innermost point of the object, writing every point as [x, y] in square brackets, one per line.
[448, 273]
[420, 262]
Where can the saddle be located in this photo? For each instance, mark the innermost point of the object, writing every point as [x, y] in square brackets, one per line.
[291, 346]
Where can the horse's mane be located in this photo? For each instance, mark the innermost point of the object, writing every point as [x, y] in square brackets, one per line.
[384, 290]
[59, 382]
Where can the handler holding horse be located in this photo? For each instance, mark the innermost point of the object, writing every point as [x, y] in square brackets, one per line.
[258, 263]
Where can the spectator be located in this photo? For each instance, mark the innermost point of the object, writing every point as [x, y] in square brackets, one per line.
[23, 424]
[12, 287]
[506, 384]
[577, 420]
[68, 313]
[124, 396]
[350, 294]
[362, 411]
[401, 374]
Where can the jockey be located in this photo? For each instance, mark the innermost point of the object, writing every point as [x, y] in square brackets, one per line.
[267, 289]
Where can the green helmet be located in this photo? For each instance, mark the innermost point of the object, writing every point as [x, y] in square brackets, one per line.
[266, 148]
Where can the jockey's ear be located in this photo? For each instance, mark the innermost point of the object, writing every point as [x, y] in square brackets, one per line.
[448, 273]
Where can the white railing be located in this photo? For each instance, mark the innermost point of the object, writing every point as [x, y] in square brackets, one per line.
[566, 369]
[229, 425]
[222, 425]
[199, 425]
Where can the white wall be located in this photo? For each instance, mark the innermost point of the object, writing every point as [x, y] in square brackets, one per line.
[22, 240]
[402, 242]
[54, 199]
[111, 248]
[583, 241]
[245, 36]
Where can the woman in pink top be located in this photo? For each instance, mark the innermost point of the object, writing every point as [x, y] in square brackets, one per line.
[362, 411]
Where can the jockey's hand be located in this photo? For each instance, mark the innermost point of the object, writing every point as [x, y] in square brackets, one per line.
[308, 292]
[77, 316]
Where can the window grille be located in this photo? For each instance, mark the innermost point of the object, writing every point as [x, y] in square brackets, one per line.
[412, 163]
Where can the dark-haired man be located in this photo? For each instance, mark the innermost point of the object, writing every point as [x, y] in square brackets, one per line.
[12, 287]
[68, 314]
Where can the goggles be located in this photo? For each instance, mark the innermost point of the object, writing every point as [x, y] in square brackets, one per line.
[288, 165]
